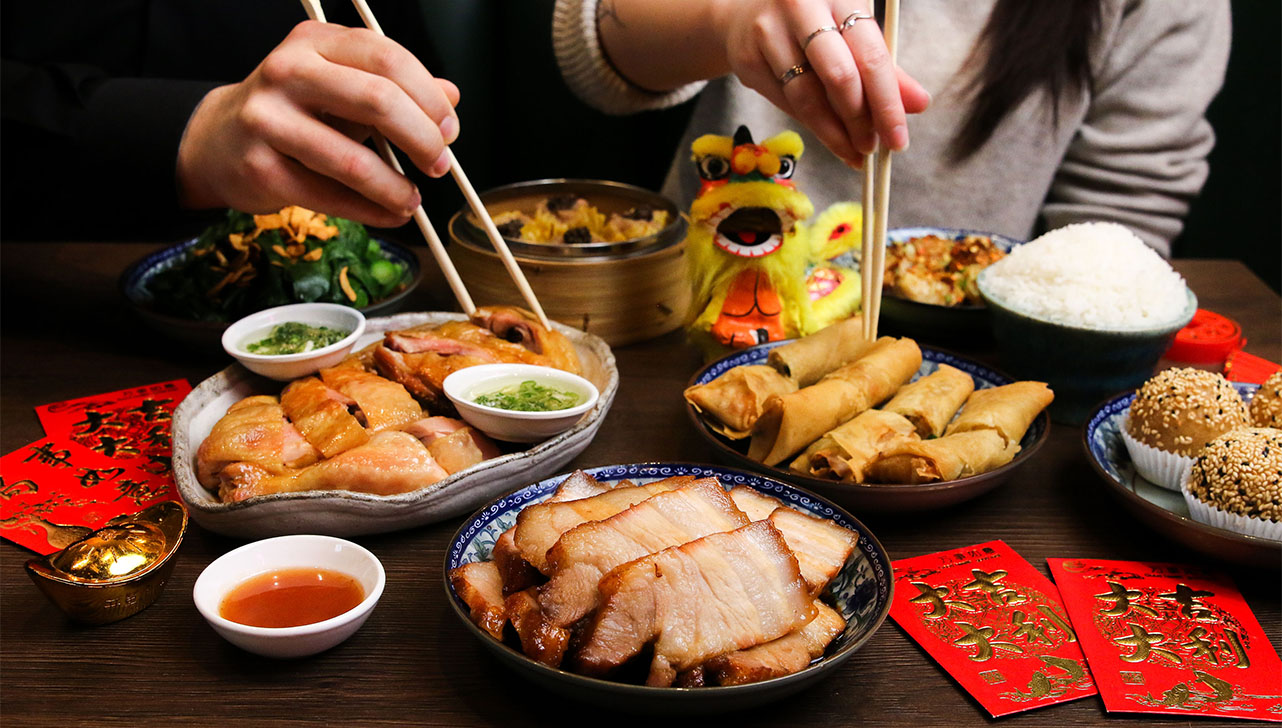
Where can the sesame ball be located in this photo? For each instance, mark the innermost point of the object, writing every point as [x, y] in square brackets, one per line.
[1241, 472]
[1180, 410]
[1266, 405]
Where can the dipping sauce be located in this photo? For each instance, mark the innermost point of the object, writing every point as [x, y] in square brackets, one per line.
[291, 597]
[528, 396]
[295, 338]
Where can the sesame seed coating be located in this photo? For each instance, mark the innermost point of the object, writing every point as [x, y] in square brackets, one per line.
[1180, 410]
[1241, 472]
[1266, 405]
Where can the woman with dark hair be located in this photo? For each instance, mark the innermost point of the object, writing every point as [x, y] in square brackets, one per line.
[1043, 114]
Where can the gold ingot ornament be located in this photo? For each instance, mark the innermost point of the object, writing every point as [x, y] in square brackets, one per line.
[117, 570]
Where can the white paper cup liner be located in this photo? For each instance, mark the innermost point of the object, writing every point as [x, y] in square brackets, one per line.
[1212, 516]
[1164, 469]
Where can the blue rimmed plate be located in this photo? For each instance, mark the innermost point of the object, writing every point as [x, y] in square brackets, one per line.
[862, 592]
[870, 496]
[207, 335]
[962, 325]
[1163, 510]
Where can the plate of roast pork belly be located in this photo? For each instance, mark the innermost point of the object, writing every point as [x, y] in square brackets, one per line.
[372, 444]
[668, 587]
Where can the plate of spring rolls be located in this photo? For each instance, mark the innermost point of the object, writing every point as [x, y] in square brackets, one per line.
[884, 425]
[673, 588]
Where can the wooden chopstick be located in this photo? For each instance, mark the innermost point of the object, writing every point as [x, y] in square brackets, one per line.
[316, 12]
[876, 257]
[866, 277]
[469, 192]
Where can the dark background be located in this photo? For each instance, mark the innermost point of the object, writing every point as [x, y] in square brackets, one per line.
[522, 123]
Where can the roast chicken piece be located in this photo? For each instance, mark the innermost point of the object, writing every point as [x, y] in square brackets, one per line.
[540, 526]
[455, 444]
[788, 654]
[821, 546]
[385, 405]
[721, 593]
[253, 431]
[391, 462]
[481, 588]
[322, 415]
[522, 327]
[587, 552]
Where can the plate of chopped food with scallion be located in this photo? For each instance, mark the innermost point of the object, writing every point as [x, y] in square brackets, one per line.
[246, 263]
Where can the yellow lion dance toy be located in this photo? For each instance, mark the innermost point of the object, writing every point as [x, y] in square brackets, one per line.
[757, 272]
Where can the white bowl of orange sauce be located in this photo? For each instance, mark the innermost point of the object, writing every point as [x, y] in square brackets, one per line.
[290, 596]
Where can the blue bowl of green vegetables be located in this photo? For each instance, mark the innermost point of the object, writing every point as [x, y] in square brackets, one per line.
[193, 290]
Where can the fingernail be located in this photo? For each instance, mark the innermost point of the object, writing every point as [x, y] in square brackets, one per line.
[899, 138]
[449, 129]
[441, 166]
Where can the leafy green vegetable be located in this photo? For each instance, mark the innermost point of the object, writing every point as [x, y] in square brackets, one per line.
[219, 280]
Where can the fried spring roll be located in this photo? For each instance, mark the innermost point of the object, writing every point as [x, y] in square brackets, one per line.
[806, 360]
[792, 421]
[947, 458]
[1009, 410]
[930, 402]
[845, 453]
[732, 402]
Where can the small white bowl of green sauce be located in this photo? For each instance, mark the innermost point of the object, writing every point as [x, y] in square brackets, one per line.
[288, 342]
[520, 402]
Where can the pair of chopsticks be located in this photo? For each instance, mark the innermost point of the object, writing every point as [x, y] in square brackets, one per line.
[876, 203]
[315, 12]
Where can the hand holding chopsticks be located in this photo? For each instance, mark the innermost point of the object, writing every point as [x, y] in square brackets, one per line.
[315, 12]
[876, 202]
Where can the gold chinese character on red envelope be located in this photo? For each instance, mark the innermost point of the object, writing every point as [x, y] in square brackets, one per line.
[1167, 638]
[995, 624]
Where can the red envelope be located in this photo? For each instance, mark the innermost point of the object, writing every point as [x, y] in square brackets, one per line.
[995, 624]
[54, 492]
[1167, 638]
[131, 424]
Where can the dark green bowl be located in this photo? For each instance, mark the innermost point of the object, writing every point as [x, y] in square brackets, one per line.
[1082, 366]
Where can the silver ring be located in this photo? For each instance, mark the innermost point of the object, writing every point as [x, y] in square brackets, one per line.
[793, 72]
[855, 17]
[816, 34]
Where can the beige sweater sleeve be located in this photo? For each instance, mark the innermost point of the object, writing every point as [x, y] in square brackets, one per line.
[1139, 157]
[588, 72]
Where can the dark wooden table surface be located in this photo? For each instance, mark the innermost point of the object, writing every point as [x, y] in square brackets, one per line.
[67, 333]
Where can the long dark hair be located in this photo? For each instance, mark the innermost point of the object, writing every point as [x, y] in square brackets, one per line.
[1025, 45]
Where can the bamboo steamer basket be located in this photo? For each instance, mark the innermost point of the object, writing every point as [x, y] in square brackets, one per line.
[623, 292]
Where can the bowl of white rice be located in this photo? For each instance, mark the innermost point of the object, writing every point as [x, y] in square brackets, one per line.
[1088, 309]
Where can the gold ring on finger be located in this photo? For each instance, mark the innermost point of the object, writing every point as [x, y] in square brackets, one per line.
[793, 72]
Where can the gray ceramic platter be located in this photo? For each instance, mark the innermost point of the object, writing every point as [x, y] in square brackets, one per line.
[861, 592]
[343, 513]
[1163, 510]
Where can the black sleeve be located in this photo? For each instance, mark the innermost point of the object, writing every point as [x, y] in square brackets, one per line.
[88, 155]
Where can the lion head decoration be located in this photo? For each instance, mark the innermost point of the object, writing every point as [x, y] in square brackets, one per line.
[755, 273]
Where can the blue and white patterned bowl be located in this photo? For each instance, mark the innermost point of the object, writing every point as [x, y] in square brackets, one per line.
[875, 496]
[862, 593]
[962, 325]
[207, 335]
[1164, 510]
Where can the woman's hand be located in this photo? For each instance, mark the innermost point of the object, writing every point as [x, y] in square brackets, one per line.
[849, 93]
[290, 133]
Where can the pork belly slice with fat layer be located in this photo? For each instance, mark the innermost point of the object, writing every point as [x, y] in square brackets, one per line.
[479, 585]
[587, 552]
[788, 654]
[540, 526]
[540, 640]
[757, 506]
[821, 546]
[721, 593]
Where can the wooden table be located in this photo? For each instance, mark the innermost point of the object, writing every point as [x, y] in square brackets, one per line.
[67, 333]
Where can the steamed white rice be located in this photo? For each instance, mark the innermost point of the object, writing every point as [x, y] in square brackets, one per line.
[1096, 275]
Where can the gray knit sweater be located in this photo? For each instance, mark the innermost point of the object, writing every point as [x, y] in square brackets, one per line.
[1132, 151]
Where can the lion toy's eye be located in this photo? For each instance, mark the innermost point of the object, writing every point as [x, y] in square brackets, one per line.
[787, 165]
[713, 167]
